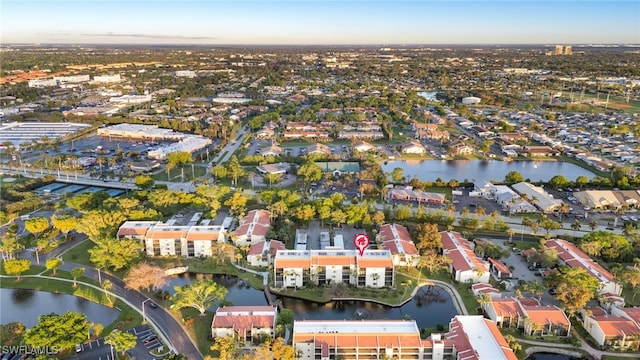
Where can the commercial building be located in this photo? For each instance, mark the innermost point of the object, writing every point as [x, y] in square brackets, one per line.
[536, 194]
[107, 78]
[295, 268]
[25, 132]
[131, 99]
[188, 143]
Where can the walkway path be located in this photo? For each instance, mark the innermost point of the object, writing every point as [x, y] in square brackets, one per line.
[596, 353]
[169, 329]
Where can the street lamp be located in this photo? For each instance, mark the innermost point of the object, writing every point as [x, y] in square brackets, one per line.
[99, 276]
[143, 312]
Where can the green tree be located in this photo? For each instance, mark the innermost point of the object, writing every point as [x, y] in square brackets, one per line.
[36, 226]
[76, 273]
[16, 267]
[397, 174]
[53, 264]
[121, 341]
[226, 347]
[107, 286]
[235, 170]
[559, 182]
[115, 254]
[237, 203]
[144, 182]
[65, 224]
[574, 288]
[428, 237]
[513, 177]
[10, 244]
[58, 331]
[582, 181]
[309, 172]
[200, 295]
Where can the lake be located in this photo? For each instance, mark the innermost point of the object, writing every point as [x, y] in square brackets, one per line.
[431, 306]
[484, 170]
[26, 306]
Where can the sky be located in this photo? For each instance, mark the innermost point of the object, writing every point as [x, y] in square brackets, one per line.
[308, 22]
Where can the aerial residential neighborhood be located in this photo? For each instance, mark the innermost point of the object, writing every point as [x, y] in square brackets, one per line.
[299, 190]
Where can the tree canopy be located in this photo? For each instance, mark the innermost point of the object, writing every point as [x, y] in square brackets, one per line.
[200, 295]
[58, 331]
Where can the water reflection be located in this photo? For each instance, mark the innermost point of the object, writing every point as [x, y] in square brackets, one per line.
[26, 306]
[22, 296]
[431, 306]
[484, 170]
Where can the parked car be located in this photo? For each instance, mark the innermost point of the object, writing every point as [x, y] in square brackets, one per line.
[153, 305]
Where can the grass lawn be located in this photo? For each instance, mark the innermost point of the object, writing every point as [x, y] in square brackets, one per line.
[198, 327]
[176, 173]
[127, 318]
[79, 253]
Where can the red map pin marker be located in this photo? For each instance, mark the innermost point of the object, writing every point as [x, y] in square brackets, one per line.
[361, 242]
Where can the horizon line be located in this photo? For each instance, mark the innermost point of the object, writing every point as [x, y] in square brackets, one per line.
[325, 44]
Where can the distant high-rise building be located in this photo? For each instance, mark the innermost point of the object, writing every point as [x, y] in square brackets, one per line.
[559, 49]
[568, 50]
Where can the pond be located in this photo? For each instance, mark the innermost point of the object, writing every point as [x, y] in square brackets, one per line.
[484, 170]
[26, 306]
[551, 356]
[430, 307]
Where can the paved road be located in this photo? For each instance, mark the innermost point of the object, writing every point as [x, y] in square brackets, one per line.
[167, 326]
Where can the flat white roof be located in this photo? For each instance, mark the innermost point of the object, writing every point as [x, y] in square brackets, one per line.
[481, 337]
[354, 326]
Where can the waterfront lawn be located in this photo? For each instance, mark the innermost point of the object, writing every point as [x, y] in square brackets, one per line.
[128, 318]
[198, 327]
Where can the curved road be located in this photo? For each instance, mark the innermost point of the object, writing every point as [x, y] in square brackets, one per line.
[169, 328]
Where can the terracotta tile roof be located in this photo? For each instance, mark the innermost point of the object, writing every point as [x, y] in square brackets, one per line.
[459, 250]
[243, 318]
[258, 248]
[333, 260]
[507, 307]
[400, 247]
[132, 231]
[632, 312]
[458, 337]
[597, 311]
[364, 262]
[613, 326]
[500, 266]
[529, 301]
[202, 235]
[304, 263]
[574, 257]
[156, 233]
[542, 315]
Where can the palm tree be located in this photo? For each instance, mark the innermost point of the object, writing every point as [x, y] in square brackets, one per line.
[576, 225]
[593, 225]
[107, 286]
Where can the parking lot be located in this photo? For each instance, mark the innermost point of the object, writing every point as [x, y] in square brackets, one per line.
[314, 230]
[97, 349]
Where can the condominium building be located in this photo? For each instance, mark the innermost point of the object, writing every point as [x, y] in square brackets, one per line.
[253, 228]
[469, 338]
[244, 322]
[295, 268]
[570, 255]
[465, 266]
[397, 240]
[160, 239]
